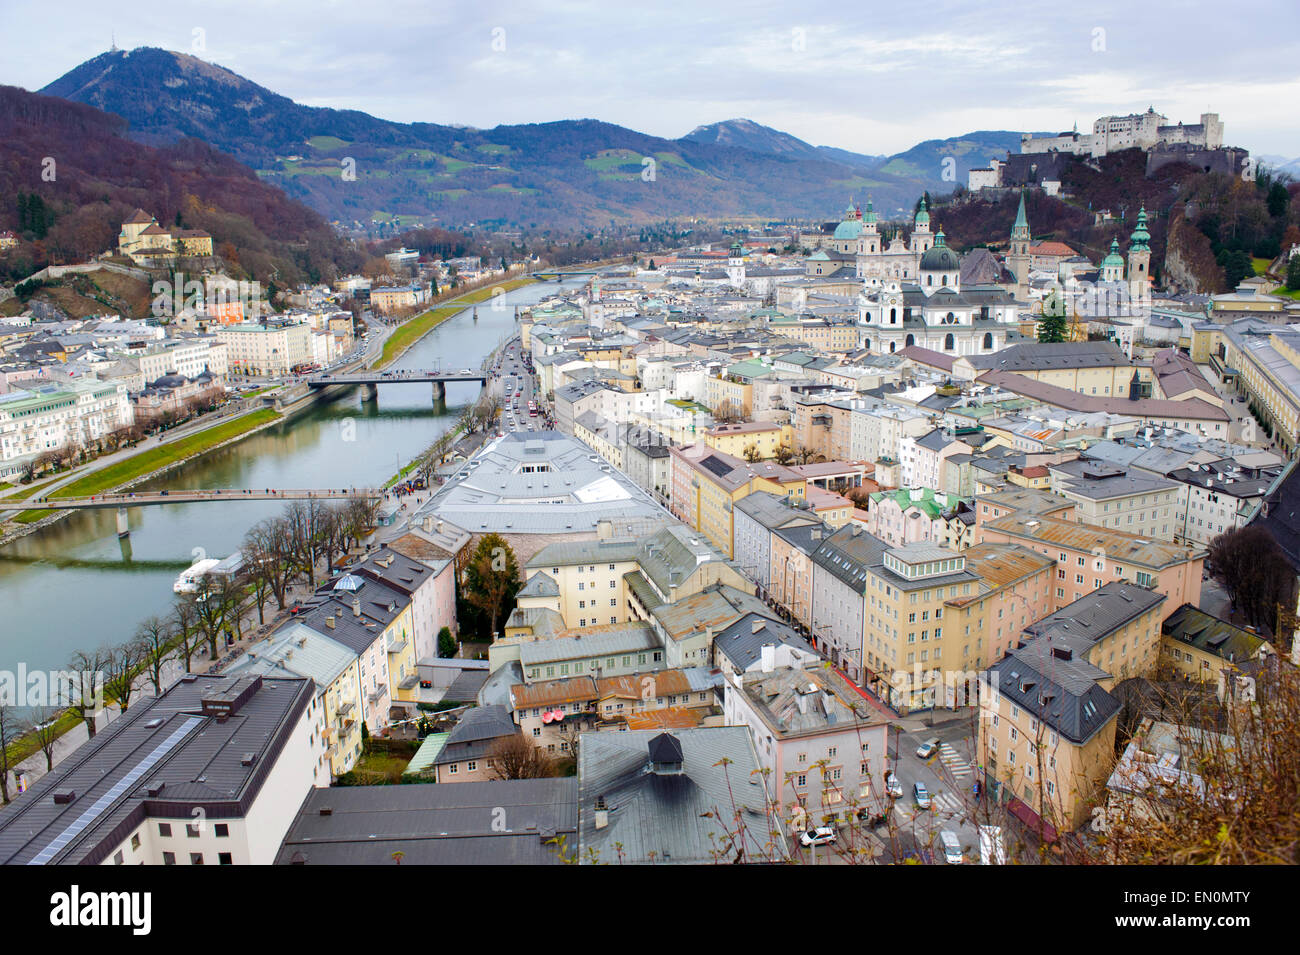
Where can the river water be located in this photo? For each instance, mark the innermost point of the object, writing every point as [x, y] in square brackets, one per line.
[74, 586]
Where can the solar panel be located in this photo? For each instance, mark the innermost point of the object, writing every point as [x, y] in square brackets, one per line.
[82, 822]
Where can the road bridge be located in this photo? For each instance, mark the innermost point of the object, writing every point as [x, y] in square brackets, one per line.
[371, 379]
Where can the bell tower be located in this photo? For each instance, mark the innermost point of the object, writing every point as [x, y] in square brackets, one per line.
[1018, 255]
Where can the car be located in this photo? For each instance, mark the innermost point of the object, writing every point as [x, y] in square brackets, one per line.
[426, 684]
[928, 748]
[952, 853]
[921, 796]
[821, 836]
[893, 787]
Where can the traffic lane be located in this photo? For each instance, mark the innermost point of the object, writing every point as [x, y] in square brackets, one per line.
[949, 778]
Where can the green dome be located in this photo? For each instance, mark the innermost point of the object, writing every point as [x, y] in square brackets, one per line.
[871, 213]
[922, 214]
[848, 229]
[940, 258]
[1114, 259]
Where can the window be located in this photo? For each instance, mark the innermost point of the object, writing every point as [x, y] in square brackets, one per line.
[135, 841]
[455, 767]
[191, 830]
[224, 858]
[196, 858]
[169, 858]
[801, 780]
[537, 731]
[164, 829]
[831, 752]
[118, 858]
[223, 830]
[471, 765]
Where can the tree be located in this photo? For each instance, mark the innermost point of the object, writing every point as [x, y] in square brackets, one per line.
[185, 630]
[517, 757]
[12, 728]
[154, 638]
[1052, 326]
[1241, 809]
[1293, 272]
[121, 665]
[87, 686]
[784, 454]
[1255, 572]
[446, 643]
[44, 731]
[752, 454]
[491, 578]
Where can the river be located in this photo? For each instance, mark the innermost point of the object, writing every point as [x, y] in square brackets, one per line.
[74, 586]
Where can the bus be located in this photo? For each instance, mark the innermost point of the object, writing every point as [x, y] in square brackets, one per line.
[532, 409]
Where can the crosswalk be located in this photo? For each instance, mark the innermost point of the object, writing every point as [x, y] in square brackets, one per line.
[947, 804]
[957, 765]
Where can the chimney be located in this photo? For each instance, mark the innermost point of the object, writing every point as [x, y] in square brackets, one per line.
[428, 523]
[768, 656]
[602, 813]
[329, 622]
[356, 606]
[756, 625]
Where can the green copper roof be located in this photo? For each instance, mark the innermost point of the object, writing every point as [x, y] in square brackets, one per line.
[871, 213]
[922, 215]
[1022, 221]
[1141, 236]
[1114, 259]
[848, 229]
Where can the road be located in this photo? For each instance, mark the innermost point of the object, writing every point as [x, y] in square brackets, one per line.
[515, 385]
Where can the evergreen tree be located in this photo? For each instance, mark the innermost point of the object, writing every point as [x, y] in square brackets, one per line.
[1293, 273]
[1052, 326]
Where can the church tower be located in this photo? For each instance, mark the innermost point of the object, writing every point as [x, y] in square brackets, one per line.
[921, 239]
[1112, 266]
[736, 265]
[1139, 258]
[1018, 256]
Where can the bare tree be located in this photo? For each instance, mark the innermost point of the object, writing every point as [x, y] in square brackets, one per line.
[44, 731]
[154, 635]
[87, 686]
[184, 623]
[121, 666]
[517, 757]
[12, 727]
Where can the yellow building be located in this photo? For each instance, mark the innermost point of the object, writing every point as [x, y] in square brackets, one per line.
[1048, 718]
[705, 485]
[724, 395]
[1199, 646]
[735, 439]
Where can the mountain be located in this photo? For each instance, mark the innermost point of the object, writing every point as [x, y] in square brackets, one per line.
[747, 134]
[941, 163]
[566, 173]
[1281, 164]
[89, 177]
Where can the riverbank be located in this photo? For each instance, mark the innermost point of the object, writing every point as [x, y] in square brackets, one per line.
[409, 333]
[145, 466]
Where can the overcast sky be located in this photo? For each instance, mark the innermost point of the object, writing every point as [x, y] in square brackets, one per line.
[874, 78]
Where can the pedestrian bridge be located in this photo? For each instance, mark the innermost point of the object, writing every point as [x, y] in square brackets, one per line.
[371, 379]
[121, 502]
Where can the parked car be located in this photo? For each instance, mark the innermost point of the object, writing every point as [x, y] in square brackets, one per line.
[928, 748]
[822, 835]
[921, 796]
[893, 787]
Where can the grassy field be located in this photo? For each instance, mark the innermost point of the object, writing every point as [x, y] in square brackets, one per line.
[412, 331]
[149, 461]
[1260, 265]
[26, 492]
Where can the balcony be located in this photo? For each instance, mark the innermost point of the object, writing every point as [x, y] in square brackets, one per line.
[398, 645]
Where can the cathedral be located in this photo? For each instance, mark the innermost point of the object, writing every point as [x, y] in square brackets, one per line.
[913, 295]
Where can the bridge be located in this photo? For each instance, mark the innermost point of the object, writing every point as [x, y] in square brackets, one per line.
[560, 274]
[372, 378]
[122, 501]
